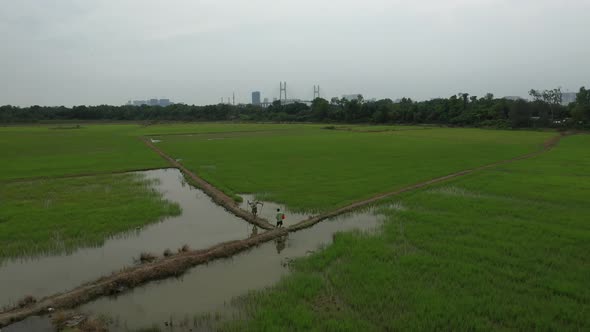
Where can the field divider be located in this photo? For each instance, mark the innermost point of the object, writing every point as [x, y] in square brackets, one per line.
[175, 266]
[218, 196]
[132, 277]
[547, 145]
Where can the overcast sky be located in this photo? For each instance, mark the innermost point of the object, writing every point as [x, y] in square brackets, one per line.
[71, 52]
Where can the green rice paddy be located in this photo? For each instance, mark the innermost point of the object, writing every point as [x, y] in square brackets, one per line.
[59, 215]
[502, 249]
[318, 170]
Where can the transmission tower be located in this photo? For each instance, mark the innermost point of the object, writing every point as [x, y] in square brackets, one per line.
[316, 92]
[283, 90]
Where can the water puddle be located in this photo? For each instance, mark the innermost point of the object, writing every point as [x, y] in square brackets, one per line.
[202, 224]
[209, 288]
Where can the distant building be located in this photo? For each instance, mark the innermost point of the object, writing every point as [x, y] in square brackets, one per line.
[568, 98]
[256, 98]
[151, 102]
[513, 98]
[265, 102]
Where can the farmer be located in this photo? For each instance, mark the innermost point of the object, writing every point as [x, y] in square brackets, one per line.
[254, 207]
[280, 216]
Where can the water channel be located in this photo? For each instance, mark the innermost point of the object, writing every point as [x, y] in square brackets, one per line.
[203, 289]
[201, 224]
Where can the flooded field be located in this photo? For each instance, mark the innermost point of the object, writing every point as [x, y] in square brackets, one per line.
[201, 224]
[204, 290]
[209, 288]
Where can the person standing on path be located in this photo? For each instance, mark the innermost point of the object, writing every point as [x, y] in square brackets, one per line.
[280, 216]
[254, 207]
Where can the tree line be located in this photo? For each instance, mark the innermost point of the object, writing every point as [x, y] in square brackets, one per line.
[545, 110]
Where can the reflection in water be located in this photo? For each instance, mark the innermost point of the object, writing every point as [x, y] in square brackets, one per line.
[201, 225]
[281, 242]
[254, 231]
[208, 288]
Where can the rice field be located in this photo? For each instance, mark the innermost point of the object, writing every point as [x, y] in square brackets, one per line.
[45, 216]
[317, 170]
[502, 249]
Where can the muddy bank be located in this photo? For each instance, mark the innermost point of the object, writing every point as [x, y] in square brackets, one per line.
[201, 225]
[217, 195]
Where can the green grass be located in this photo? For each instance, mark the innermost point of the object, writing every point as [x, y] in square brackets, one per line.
[43, 151]
[57, 215]
[313, 169]
[376, 128]
[204, 128]
[62, 150]
[501, 249]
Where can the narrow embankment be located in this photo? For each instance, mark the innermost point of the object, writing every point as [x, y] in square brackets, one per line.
[132, 277]
[217, 195]
[176, 265]
[547, 145]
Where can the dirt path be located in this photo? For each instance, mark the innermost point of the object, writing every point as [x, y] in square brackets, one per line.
[217, 195]
[547, 145]
[176, 265]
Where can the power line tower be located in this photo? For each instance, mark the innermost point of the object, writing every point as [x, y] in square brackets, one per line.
[316, 92]
[283, 90]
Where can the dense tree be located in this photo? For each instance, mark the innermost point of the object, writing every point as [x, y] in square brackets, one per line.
[457, 110]
[581, 108]
[552, 98]
[520, 114]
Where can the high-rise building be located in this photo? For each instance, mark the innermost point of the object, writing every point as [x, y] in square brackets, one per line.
[164, 102]
[256, 98]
